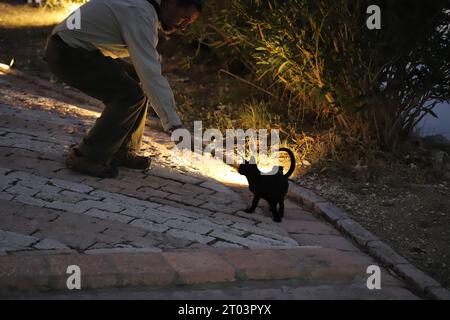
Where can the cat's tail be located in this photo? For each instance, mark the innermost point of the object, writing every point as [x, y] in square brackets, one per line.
[292, 156]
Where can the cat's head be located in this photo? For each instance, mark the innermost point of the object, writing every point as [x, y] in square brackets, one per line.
[249, 168]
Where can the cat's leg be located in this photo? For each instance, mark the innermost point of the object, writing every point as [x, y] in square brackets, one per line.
[254, 205]
[273, 208]
[281, 210]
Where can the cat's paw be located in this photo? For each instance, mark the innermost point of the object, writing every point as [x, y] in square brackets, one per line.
[249, 210]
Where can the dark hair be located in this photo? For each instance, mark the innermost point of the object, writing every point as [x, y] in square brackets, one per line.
[187, 3]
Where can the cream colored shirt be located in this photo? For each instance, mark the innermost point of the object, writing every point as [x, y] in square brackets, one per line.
[126, 28]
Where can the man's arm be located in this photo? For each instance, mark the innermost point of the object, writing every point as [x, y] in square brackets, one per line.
[139, 34]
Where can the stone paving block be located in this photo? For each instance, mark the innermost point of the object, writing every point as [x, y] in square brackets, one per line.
[149, 214]
[304, 196]
[233, 218]
[6, 196]
[223, 244]
[188, 235]
[281, 235]
[218, 207]
[261, 265]
[385, 254]
[172, 175]
[66, 174]
[180, 190]
[11, 206]
[124, 184]
[148, 225]
[256, 217]
[415, 277]
[104, 215]
[271, 242]
[213, 198]
[308, 227]
[49, 190]
[102, 184]
[148, 193]
[124, 231]
[272, 227]
[49, 244]
[21, 190]
[74, 197]
[18, 224]
[27, 179]
[356, 231]
[200, 267]
[10, 241]
[215, 186]
[335, 265]
[177, 205]
[97, 271]
[117, 199]
[228, 237]
[143, 269]
[189, 226]
[77, 187]
[299, 214]
[190, 213]
[154, 182]
[198, 190]
[325, 241]
[79, 240]
[30, 201]
[330, 211]
[6, 182]
[218, 225]
[122, 250]
[438, 293]
[185, 199]
[65, 206]
[4, 171]
[101, 205]
[23, 273]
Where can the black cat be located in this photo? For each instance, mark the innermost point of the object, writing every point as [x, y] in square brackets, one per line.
[272, 188]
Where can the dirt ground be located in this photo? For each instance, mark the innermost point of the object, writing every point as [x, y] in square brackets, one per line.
[411, 213]
[403, 204]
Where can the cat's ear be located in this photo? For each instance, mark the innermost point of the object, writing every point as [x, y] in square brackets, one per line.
[252, 160]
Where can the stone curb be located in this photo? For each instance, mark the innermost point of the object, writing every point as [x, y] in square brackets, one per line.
[23, 273]
[419, 281]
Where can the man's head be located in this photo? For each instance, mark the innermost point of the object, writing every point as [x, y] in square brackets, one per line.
[178, 14]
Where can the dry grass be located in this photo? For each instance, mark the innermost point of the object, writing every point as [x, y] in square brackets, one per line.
[21, 16]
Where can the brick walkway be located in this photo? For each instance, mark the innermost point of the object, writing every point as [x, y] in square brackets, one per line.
[48, 211]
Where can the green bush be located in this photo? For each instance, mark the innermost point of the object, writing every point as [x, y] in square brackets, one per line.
[320, 66]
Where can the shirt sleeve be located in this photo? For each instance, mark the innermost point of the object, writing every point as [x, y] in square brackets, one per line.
[140, 34]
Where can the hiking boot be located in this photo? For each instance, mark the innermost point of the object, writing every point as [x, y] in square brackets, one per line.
[77, 162]
[130, 159]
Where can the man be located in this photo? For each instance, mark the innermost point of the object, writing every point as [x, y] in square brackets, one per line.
[88, 56]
